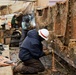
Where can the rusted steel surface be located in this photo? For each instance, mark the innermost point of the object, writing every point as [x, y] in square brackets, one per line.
[67, 60]
[61, 18]
[73, 7]
[55, 17]
[64, 53]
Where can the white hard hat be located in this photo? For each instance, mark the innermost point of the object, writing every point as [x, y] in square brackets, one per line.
[44, 33]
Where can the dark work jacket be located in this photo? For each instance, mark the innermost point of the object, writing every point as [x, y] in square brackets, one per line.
[31, 46]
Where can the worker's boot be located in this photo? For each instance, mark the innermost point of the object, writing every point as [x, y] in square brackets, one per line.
[18, 68]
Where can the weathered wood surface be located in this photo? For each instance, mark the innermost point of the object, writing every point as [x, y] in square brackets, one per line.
[8, 69]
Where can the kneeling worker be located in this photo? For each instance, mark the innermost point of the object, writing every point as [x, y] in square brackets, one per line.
[30, 52]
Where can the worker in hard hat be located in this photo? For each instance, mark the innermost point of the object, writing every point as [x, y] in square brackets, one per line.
[30, 52]
[28, 23]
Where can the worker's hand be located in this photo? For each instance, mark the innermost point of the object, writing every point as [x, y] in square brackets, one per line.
[47, 52]
[2, 62]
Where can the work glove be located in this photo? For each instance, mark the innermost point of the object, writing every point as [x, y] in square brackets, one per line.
[47, 52]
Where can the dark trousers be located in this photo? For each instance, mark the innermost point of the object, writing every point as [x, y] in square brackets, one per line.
[31, 66]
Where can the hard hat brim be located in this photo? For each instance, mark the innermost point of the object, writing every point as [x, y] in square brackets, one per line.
[42, 36]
